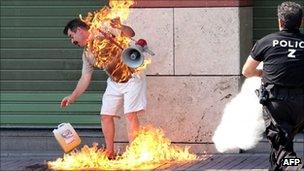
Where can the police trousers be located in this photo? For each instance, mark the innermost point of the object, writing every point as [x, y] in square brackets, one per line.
[284, 118]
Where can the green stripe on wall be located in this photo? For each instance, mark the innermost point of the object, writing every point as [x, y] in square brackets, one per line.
[39, 66]
[43, 108]
[42, 53]
[42, 64]
[46, 96]
[47, 120]
[48, 75]
[22, 85]
[59, 3]
[265, 17]
[45, 11]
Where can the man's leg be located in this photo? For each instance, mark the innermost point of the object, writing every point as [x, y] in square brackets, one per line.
[108, 129]
[133, 125]
[135, 100]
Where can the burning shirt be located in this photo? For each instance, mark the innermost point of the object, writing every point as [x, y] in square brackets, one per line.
[104, 51]
[115, 68]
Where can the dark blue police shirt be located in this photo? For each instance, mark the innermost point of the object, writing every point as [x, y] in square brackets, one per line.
[282, 54]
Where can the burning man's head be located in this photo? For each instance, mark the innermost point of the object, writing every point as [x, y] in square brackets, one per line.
[290, 15]
[77, 31]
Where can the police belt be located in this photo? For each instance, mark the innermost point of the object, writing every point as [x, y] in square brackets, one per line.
[278, 89]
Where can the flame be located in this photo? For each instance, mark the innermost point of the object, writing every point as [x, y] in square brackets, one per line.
[120, 8]
[148, 150]
[107, 51]
[144, 65]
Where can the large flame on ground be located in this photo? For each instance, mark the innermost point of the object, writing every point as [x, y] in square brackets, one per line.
[107, 51]
[149, 150]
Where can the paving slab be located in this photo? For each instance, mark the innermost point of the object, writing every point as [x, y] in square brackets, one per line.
[37, 162]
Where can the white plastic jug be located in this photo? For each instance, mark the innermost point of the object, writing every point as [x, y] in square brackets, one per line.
[67, 137]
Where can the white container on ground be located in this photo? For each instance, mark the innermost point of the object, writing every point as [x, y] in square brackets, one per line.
[67, 137]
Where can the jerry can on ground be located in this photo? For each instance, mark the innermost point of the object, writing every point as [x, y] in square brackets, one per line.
[67, 137]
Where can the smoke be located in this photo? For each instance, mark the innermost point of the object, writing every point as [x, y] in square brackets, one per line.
[242, 122]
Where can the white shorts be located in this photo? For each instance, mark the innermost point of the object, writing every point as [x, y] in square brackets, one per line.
[132, 96]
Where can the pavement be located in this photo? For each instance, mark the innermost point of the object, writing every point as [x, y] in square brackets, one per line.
[18, 160]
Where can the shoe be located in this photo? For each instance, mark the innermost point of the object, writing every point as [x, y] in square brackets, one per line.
[110, 154]
[112, 157]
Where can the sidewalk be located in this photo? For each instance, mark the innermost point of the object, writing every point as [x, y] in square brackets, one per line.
[30, 149]
[37, 162]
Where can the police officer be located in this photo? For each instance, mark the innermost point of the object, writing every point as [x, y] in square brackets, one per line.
[282, 54]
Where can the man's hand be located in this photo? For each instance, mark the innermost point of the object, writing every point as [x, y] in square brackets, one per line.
[66, 101]
[82, 85]
[115, 23]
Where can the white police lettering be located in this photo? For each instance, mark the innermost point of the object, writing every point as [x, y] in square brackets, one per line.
[291, 53]
[288, 43]
[274, 43]
[283, 43]
[301, 44]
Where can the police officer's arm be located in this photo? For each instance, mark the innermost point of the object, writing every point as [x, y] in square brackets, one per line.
[250, 68]
[82, 85]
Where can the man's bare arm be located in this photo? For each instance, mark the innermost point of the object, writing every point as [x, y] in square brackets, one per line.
[82, 85]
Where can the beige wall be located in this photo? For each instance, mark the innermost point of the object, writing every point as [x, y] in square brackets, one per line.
[196, 70]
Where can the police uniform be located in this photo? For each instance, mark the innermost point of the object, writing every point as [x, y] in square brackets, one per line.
[282, 54]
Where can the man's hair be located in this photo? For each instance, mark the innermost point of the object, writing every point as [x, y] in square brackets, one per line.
[73, 24]
[291, 14]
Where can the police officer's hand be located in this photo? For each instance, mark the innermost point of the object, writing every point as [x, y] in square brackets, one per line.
[259, 72]
[66, 101]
